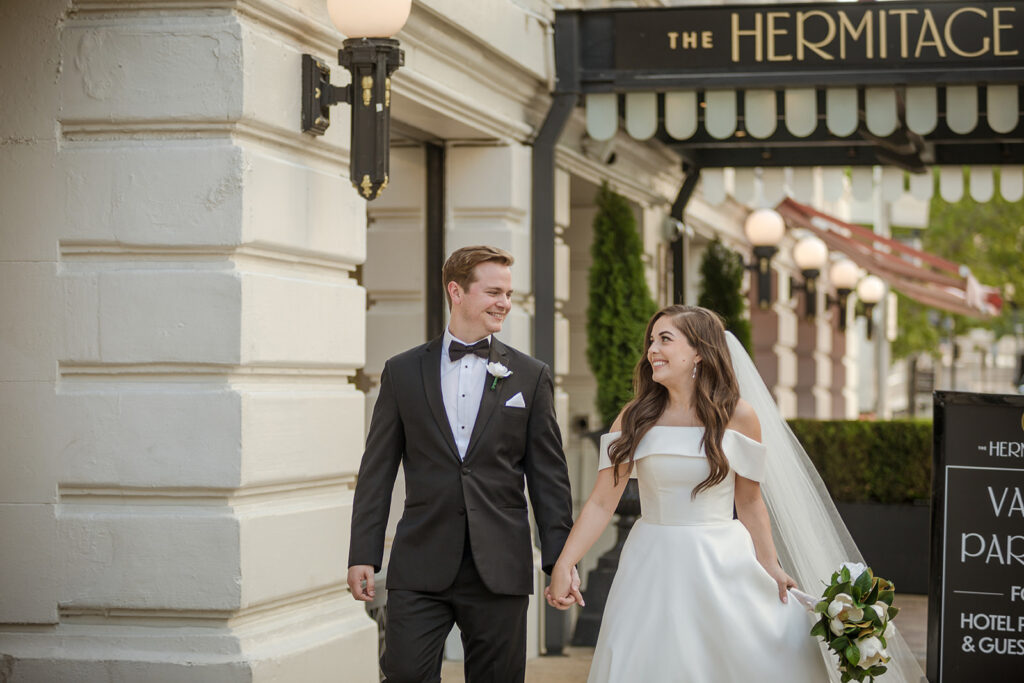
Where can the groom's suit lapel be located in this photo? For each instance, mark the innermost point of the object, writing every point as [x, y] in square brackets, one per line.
[491, 397]
[431, 368]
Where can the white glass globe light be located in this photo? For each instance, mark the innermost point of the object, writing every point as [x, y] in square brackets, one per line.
[369, 18]
[843, 274]
[764, 228]
[810, 253]
[871, 289]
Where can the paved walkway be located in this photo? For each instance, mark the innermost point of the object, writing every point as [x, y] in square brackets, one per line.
[573, 666]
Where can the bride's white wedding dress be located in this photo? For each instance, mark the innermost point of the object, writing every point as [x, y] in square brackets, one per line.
[689, 601]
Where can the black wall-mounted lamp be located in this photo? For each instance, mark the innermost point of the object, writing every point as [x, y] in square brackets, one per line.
[371, 57]
[810, 255]
[764, 229]
[870, 291]
[843, 275]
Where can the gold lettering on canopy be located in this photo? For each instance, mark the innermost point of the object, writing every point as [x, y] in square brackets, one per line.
[903, 14]
[948, 33]
[738, 33]
[801, 41]
[846, 27]
[772, 32]
[883, 36]
[688, 40]
[857, 36]
[996, 28]
[928, 25]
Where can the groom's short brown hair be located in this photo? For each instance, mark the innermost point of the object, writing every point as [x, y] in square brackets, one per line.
[459, 268]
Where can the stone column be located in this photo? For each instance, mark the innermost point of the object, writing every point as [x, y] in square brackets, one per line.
[181, 324]
[394, 276]
[774, 333]
[839, 374]
[806, 367]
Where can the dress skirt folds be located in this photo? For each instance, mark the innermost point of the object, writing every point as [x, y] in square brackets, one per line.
[690, 602]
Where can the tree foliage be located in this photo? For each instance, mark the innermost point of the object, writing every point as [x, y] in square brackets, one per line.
[620, 303]
[987, 237]
[721, 289]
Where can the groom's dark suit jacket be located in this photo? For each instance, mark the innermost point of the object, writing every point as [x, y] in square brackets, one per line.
[443, 494]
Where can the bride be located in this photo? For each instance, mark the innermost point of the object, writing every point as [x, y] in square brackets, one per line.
[700, 596]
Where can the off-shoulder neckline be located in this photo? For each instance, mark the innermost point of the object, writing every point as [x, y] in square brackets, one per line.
[737, 433]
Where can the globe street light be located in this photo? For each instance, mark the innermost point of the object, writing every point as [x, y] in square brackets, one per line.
[764, 229]
[843, 275]
[371, 56]
[870, 291]
[810, 255]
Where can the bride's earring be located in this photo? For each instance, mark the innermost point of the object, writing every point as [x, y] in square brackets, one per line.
[694, 375]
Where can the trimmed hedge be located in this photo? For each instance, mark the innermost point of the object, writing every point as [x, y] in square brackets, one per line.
[870, 462]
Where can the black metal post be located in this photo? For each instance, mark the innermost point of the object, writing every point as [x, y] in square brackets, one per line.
[681, 244]
[810, 293]
[371, 61]
[434, 288]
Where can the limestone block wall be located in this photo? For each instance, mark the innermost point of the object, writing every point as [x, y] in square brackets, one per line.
[179, 323]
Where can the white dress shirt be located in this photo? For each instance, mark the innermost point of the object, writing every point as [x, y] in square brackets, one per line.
[462, 387]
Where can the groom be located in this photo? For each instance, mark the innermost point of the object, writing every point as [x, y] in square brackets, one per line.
[468, 417]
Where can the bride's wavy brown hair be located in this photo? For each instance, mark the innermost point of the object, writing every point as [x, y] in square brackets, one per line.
[714, 397]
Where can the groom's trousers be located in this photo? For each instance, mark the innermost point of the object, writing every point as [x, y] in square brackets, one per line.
[493, 631]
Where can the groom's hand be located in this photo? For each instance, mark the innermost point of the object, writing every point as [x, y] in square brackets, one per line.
[360, 582]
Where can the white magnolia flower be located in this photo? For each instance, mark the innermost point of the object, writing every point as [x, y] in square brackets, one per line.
[836, 627]
[842, 608]
[871, 652]
[856, 569]
[880, 611]
[498, 370]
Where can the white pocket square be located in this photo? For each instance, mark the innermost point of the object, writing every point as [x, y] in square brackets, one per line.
[516, 401]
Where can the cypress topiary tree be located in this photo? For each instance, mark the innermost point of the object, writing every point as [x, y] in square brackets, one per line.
[620, 303]
[721, 284]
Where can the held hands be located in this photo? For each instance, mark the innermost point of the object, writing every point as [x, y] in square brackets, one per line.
[360, 582]
[564, 589]
[784, 581]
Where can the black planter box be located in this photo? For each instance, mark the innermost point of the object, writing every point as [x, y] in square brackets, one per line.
[894, 540]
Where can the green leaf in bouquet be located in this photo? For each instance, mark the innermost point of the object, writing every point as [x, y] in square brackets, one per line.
[877, 670]
[822, 606]
[872, 615]
[886, 596]
[840, 644]
[844, 575]
[819, 629]
[852, 654]
[872, 596]
[864, 582]
[893, 611]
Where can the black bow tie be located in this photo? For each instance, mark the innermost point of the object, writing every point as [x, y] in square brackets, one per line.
[456, 350]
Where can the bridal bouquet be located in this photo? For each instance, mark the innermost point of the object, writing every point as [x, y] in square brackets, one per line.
[856, 618]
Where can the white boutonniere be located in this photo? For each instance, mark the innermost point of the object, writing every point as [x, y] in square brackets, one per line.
[497, 371]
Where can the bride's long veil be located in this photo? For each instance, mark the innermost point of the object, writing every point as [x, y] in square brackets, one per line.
[810, 536]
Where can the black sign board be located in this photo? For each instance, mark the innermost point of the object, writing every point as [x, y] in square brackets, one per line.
[809, 44]
[976, 585]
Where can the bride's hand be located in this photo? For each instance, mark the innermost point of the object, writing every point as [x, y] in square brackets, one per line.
[564, 588]
[784, 581]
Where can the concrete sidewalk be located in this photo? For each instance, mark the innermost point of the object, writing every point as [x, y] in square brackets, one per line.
[572, 667]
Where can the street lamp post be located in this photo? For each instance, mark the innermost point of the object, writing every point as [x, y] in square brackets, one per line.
[764, 229]
[870, 291]
[843, 274]
[371, 56]
[810, 255]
